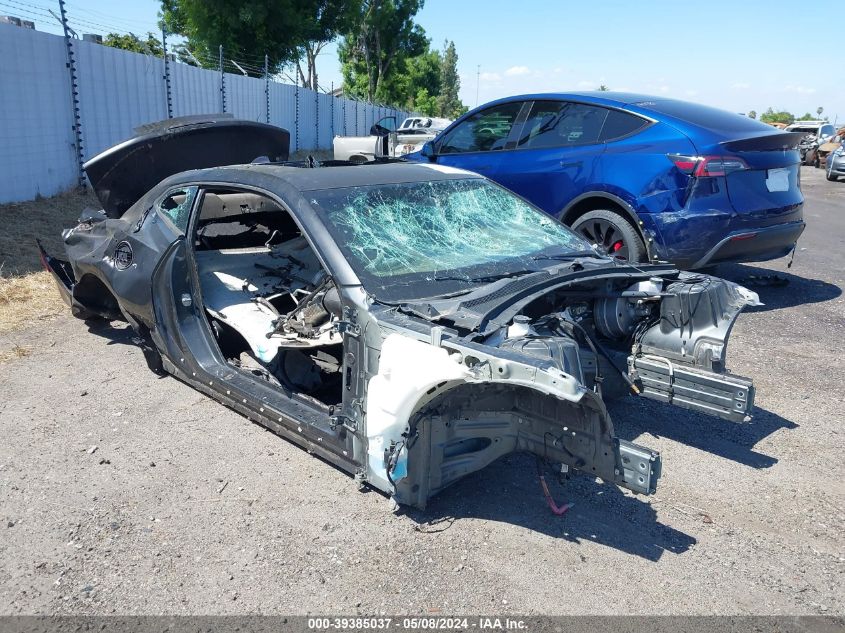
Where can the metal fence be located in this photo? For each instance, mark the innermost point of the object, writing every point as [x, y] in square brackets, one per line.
[53, 87]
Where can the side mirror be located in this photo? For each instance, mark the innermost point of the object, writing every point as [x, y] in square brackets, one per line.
[428, 151]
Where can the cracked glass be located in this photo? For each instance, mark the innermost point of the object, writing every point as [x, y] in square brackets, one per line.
[433, 231]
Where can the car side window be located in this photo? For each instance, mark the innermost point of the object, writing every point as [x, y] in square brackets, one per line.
[176, 206]
[560, 124]
[484, 131]
[619, 124]
[827, 130]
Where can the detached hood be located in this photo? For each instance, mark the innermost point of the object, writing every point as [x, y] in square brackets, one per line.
[122, 174]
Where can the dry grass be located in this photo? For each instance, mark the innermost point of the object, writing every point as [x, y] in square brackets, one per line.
[26, 299]
[28, 293]
[43, 218]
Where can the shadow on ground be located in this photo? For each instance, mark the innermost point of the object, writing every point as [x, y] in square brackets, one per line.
[508, 491]
[637, 417]
[115, 332]
[774, 293]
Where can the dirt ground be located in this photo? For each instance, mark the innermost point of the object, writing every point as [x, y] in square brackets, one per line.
[124, 493]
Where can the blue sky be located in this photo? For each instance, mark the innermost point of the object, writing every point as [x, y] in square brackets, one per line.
[739, 56]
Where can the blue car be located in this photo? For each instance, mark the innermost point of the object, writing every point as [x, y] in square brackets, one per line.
[644, 178]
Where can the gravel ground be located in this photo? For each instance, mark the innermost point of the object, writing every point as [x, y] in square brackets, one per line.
[124, 493]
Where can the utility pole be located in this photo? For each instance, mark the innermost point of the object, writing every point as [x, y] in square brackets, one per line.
[166, 74]
[477, 83]
[74, 95]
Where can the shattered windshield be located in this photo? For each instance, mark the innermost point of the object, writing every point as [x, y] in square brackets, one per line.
[423, 239]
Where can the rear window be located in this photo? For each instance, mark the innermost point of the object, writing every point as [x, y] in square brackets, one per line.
[619, 124]
[804, 129]
[705, 116]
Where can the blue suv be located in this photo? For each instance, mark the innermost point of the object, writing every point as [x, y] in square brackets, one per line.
[644, 178]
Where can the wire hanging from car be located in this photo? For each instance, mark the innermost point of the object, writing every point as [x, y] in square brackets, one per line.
[553, 506]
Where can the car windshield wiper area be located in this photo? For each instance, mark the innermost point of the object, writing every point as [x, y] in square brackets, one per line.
[484, 279]
[568, 256]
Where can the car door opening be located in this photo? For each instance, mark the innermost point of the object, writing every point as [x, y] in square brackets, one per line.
[273, 308]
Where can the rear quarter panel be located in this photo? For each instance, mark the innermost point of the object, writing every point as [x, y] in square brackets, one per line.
[637, 169]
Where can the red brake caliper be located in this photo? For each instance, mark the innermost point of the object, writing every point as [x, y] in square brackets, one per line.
[616, 246]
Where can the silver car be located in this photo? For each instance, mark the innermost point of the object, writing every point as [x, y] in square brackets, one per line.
[836, 163]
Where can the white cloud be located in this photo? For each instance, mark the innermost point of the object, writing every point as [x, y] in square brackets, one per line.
[740, 85]
[490, 77]
[587, 85]
[802, 90]
[691, 93]
[515, 71]
[663, 89]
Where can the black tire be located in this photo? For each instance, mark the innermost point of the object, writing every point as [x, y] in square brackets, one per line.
[831, 177]
[612, 233]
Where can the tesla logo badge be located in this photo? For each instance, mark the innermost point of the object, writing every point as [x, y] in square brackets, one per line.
[123, 256]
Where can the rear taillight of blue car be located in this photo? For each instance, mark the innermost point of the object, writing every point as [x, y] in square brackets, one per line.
[707, 166]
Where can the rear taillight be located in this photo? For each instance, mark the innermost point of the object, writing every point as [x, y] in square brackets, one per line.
[685, 164]
[704, 166]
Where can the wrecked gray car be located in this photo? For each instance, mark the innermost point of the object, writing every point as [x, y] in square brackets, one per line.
[409, 323]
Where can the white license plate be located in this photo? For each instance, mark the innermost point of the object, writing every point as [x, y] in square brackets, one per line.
[777, 180]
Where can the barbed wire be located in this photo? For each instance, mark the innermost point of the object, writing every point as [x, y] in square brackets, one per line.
[235, 60]
[30, 13]
[99, 15]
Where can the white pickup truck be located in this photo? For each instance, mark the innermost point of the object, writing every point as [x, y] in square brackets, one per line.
[388, 140]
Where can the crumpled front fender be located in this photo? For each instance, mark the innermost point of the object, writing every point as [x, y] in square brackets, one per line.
[432, 417]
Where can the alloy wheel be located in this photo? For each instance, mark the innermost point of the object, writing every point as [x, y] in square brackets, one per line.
[606, 236]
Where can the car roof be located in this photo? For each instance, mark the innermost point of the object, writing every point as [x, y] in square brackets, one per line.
[607, 97]
[336, 177]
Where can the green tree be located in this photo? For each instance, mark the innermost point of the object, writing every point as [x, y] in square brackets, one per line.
[752, 114]
[381, 37]
[326, 19]
[770, 116]
[130, 42]
[603, 88]
[417, 73]
[425, 103]
[819, 111]
[287, 31]
[806, 117]
[449, 104]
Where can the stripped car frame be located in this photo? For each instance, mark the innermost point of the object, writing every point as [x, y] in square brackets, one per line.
[423, 387]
